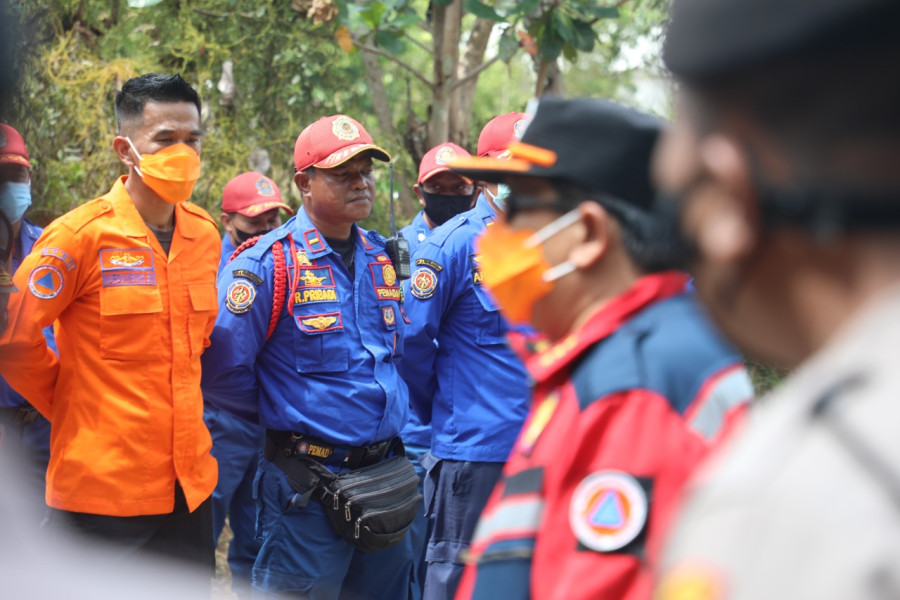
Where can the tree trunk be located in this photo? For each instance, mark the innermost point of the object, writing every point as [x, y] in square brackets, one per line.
[549, 78]
[382, 107]
[446, 24]
[464, 95]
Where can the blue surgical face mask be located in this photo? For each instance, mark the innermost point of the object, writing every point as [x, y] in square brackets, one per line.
[15, 198]
[500, 199]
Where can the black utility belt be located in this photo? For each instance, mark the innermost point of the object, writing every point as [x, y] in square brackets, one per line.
[370, 506]
[291, 444]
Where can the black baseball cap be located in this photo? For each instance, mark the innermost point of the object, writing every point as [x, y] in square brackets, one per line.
[709, 39]
[597, 145]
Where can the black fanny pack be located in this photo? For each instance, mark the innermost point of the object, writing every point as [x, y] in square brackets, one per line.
[371, 507]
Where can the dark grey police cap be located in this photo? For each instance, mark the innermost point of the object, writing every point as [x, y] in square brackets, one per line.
[710, 39]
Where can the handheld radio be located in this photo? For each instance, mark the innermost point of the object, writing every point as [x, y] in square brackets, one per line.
[396, 246]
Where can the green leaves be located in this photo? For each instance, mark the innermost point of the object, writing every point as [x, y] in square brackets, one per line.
[482, 10]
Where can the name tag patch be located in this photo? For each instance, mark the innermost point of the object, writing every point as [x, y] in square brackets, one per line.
[474, 263]
[256, 279]
[308, 296]
[131, 266]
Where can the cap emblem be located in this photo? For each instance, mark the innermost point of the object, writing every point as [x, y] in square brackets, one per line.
[264, 187]
[345, 129]
[519, 128]
[444, 155]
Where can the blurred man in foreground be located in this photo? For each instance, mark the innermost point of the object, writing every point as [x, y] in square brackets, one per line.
[784, 163]
[633, 390]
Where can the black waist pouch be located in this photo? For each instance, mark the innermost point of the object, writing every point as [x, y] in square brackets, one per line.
[371, 507]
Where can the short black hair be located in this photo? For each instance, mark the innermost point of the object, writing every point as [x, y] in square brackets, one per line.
[137, 91]
[650, 238]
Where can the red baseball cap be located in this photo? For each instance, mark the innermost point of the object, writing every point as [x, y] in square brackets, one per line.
[500, 131]
[12, 147]
[250, 194]
[332, 141]
[435, 160]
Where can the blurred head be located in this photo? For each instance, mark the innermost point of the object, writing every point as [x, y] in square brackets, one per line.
[493, 141]
[442, 193]
[15, 174]
[251, 206]
[783, 157]
[580, 224]
[333, 158]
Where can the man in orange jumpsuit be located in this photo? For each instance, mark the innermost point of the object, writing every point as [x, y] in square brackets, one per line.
[130, 280]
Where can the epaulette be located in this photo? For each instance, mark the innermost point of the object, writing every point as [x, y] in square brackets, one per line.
[264, 243]
[374, 238]
[200, 212]
[442, 233]
[78, 218]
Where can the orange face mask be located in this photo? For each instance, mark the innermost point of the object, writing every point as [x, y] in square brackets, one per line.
[514, 269]
[170, 172]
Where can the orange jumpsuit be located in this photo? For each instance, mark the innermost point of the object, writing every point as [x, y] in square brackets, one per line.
[124, 395]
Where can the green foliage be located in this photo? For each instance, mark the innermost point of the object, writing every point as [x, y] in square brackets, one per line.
[288, 70]
[287, 73]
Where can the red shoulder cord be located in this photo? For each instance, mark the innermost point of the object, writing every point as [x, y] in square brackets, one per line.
[279, 280]
[295, 279]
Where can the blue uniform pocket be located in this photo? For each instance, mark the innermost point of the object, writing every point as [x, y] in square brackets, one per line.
[320, 345]
[491, 328]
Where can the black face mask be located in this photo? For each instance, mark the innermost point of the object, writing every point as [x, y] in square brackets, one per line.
[441, 208]
[243, 236]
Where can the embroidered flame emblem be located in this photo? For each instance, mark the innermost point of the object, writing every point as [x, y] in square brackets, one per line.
[302, 259]
[320, 322]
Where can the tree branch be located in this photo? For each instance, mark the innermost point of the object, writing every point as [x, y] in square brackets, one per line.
[424, 47]
[388, 55]
[474, 72]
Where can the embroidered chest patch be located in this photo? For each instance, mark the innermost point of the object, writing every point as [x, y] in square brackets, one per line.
[384, 280]
[127, 266]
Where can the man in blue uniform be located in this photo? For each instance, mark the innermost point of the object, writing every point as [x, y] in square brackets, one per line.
[23, 429]
[251, 206]
[466, 381]
[306, 342]
[443, 195]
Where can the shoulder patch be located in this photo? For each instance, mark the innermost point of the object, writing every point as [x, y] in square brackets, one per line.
[426, 262]
[423, 283]
[62, 255]
[46, 281]
[608, 510]
[256, 279]
[239, 297]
